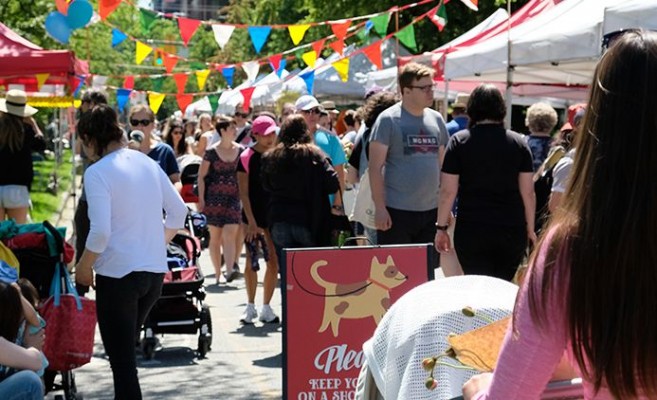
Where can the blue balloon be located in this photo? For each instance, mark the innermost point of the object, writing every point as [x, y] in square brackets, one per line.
[79, 14]
[57, 27]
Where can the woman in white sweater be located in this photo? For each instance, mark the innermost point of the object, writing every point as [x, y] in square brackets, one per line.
[127, 241]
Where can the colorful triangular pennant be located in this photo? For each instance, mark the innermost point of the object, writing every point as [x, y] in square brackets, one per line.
[340, 28]
[337, 46]
[147, 17]
[222, 33]
[41, 79]
[439, 16]
[247, 94]
[118, 37]
[228, 72]
[297, 32]
[157, 83]
[407, 37]
[259, 36]
[169, 62]
[309, 58]
[472, 4]
[342, 68]
[318, 46]
[373, 53]
[213, 99]
[142, 51]
[202, 77]
[155, 101]
[251, 68]
[122, 96]
[381, 24]
[184, 100]
[106, 7]
[309, 79]
[275, 61]
[281, 68]
[129, 82]
[188, 27]
[181, 81]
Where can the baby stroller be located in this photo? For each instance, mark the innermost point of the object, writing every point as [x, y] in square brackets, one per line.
[38, 248]
[180, 309]
[197, 225]
[189, 166]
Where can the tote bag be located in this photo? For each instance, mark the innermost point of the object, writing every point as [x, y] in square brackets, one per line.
[363, 211]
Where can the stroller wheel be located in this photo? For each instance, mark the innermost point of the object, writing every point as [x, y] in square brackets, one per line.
[69, 386]
[203, 345]
[206, 325]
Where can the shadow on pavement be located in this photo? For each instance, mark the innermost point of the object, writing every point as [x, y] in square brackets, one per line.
[252, 330]
[169, 357]
[270, 362]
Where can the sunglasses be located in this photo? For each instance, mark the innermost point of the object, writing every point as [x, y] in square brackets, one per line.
[241, 114]
[312, 111]
[143, 122]
[177, 132]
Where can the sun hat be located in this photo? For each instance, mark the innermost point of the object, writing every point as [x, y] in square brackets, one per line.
[263, 126]
[329, 106]
[306, 102]
[461, 100]
[15, 103]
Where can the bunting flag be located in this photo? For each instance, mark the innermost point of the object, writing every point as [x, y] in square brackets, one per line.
[297, 32]
[318, 46]
[181, 82]
[122, 96]
[142, 51]
[184, 100]
[373, 53]
[76, 82]
[471, 4]
[169, 62]
[309, 58]
[62, 5]
[340, 28]
[147, 17]
[41, 79]
[228, 73]
[98, 81]
[342, 68]
[247, 94]
[157, 83]
[251, 68]
[118, 37]
[202, 77]
[187, 28]
[155, 101]
[259, 36]
[275, 61]
[380, 23]
[407, 37]
[281, 68]
[439, 17]
[106, 7]
[309, 79]
[129, 82]
[337, 46]
[213, 99]
[222, 34]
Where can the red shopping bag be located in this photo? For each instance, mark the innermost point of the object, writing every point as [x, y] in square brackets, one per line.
[70, 324]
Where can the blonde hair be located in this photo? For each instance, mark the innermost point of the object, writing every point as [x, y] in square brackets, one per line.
[541, 118]
[139, 108]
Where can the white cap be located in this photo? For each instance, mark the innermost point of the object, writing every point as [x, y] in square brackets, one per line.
[306, 102]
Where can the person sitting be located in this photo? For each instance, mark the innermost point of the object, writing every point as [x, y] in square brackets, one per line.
[590, 287]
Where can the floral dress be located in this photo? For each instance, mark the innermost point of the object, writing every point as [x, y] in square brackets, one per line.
[222, 198]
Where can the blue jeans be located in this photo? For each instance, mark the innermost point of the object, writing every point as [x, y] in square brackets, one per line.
[122, 306]
[23, 385]
[289, 236]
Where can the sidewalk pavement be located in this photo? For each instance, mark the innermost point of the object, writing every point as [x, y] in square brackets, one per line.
[245, 361]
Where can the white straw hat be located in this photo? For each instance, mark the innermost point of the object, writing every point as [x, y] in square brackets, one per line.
[15, 102]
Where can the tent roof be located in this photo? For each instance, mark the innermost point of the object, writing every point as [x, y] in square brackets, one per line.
[22, 60]
[560, 45]
[631, 14]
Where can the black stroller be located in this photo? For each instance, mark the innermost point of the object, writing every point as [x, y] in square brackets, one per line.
[38, 248]
[180, 309]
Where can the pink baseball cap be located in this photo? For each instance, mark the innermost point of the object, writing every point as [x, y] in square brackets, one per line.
[263, 126]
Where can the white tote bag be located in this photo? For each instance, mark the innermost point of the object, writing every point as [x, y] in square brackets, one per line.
[363, 211]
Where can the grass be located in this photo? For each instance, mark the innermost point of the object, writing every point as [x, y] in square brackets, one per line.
[46, 196]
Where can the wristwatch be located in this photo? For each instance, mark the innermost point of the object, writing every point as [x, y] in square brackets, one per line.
[441, 227]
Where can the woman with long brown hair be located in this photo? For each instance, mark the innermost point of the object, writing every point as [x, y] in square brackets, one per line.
[591, 286]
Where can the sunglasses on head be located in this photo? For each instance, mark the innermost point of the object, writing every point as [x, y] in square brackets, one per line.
[176, 132]
[143, 122]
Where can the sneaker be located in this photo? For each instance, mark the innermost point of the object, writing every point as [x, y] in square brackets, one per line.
[234, 274]
[250, 314]
[267, 315]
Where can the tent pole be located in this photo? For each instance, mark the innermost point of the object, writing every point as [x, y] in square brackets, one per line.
[509, 69]
[445, 100]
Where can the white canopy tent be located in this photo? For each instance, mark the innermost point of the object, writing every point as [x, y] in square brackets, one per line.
[631, 14]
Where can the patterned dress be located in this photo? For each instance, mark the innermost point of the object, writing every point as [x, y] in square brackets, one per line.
[222, 198]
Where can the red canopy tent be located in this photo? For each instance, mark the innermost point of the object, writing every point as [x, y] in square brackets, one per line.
[22, 60]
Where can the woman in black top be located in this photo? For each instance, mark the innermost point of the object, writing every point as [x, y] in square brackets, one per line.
[19, 137]
[299, 178]
[490, 168]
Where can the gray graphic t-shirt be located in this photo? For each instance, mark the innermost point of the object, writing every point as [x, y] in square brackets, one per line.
[412, 172]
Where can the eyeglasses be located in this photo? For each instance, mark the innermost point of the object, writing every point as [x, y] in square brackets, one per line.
[424, 88]
[177, 132]
[312, 111]
[241, 114]
[143, 122]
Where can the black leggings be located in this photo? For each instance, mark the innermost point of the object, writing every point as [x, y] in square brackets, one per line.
[491, 250]
[122, 306]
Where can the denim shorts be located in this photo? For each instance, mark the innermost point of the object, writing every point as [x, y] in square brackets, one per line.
[14, 196]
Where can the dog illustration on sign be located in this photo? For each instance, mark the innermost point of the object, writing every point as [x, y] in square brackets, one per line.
[369, 298]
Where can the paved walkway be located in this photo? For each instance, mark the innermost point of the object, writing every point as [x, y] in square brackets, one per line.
[245, 361]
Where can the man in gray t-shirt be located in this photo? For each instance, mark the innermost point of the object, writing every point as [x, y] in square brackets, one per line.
[406, 149]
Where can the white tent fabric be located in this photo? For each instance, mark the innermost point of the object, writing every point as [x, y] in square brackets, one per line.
[560, 45]
[631, 14]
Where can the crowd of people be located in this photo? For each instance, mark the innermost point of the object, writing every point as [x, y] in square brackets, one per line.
[483, 194]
